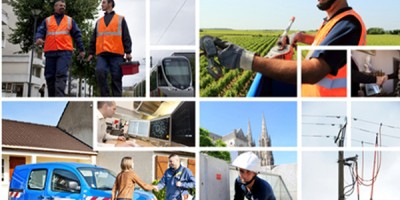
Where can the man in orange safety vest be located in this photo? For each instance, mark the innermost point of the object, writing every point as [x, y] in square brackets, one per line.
[110, 43]
[56, 33]
[324, 71]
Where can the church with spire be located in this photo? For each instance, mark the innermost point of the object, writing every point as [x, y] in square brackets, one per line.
[238, 139]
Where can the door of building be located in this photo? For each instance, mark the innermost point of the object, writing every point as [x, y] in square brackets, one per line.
[15, 161]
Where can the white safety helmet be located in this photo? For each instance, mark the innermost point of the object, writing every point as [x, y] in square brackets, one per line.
[248, 161]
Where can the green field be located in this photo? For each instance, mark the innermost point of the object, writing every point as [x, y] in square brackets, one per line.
[383, 40]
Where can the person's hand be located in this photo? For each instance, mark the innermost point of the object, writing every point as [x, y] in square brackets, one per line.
[39, 41]
[155, 188]
[233, 56]
[381, 79]
[89, 57]
[121, 138]
[178, 184]
[128, 56]
[81, 55]
[294, 38]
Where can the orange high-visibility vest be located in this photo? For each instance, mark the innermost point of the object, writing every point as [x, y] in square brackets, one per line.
[109, 38]
[58, 37]
[332, 86]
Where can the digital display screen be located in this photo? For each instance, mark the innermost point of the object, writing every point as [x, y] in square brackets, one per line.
[183, 124]
[160, 128]
[139, 128]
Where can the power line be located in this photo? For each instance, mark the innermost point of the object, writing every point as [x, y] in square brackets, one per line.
[376, 123]
[371, 132]
[361, 129]
[361, 141]
[322, 124]
[171, 22]
[320, 136]
[326, 116]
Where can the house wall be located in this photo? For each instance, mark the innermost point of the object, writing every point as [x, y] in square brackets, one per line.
[77, 120]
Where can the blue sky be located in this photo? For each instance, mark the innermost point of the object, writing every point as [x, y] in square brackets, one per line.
[223, 117]
[40, 112]
[274, 14]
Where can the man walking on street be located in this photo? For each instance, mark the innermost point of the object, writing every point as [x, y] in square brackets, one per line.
[56, 33]
[110, 42]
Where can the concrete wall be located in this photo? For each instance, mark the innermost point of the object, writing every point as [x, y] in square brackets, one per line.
[382, 60]
[9, 48]
[288, 173]
[77, 120]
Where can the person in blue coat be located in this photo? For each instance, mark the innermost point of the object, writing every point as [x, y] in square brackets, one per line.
[248, 185]
[177, 179]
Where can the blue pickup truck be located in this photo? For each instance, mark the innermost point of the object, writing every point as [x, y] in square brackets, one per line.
[63, 181]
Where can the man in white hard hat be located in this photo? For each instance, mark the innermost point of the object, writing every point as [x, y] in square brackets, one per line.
[248, 185]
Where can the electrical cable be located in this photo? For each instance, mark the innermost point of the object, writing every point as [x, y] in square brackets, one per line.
[319, 136]
[172, 20]
[327, 116]
[375, 123]
[371, 132]
[321, 124]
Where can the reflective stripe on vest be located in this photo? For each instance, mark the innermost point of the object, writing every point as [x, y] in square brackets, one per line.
[332, 86]
[109, 38]
[58, 37]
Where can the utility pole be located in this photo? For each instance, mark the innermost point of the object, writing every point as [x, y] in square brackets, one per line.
[341, 160]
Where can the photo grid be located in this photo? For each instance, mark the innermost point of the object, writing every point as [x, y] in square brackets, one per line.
[200, 99]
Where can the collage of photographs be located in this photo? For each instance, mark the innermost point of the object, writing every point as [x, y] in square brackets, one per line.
[200, 99]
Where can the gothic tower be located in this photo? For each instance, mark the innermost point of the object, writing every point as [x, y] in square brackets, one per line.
[250, 140]
[267, 159]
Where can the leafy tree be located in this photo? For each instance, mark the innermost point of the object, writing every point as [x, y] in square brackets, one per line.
[81, 69]
[82, 11]
[375, 31]
[206, 141]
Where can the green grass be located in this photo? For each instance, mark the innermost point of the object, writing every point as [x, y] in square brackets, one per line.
[383, 40]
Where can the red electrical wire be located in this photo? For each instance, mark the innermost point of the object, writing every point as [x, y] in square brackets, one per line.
[373, 169]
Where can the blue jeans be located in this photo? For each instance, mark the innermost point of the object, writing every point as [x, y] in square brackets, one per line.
[56, 72]
[103, 66]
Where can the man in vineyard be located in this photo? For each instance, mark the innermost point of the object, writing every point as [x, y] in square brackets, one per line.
[324, 71]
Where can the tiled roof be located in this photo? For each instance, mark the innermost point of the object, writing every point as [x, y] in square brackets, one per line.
[24, 134]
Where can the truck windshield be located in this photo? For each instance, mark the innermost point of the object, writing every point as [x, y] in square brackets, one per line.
[98, 178]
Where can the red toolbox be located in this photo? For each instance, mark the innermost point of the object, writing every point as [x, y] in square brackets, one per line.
[130, 68]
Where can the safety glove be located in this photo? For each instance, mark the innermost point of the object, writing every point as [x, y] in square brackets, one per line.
[233, 56]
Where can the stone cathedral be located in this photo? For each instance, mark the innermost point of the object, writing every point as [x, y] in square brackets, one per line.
[238, 139]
